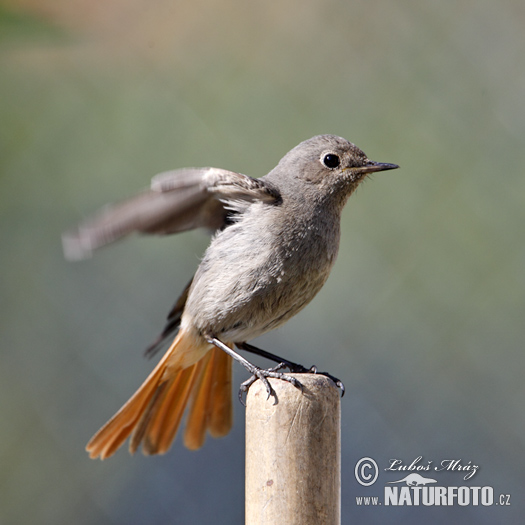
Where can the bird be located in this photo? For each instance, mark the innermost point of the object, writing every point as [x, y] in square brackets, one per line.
[275, 240]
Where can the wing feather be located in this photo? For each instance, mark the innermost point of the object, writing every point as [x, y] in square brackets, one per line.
[178, 200]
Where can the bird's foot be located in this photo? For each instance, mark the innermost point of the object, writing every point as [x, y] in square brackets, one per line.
[263, 374]
[313, 370]
[295, 368]
[257, 372]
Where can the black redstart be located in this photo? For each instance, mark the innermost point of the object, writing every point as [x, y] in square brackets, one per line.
[276, 239]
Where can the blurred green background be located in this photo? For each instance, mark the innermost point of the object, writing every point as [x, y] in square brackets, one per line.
[423, 316]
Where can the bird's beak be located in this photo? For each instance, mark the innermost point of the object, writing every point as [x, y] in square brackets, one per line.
[372, 166]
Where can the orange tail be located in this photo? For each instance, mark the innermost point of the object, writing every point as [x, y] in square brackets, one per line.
[190, 371]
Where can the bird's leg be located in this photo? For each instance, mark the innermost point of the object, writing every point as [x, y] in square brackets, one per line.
[293, 367]
[257, 372]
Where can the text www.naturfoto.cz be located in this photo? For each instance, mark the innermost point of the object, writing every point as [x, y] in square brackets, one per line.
[430, 496]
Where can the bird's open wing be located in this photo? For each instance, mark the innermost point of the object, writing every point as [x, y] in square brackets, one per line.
[178, 200]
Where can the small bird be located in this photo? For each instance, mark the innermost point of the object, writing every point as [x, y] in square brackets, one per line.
[276, 239]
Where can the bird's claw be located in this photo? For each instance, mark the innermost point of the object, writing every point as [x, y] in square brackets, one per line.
[337, 381]
[263, 374]
[295, 368]
[300, 369]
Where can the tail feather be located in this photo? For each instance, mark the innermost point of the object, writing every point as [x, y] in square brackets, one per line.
[200, 402]
[190, 369]
[139, 431]
[221, 407]
[111, 436]
[165, 424]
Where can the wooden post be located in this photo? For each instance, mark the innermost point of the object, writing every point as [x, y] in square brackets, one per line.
[293, 453]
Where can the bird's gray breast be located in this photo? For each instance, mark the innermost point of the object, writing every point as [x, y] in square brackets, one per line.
[260, 271]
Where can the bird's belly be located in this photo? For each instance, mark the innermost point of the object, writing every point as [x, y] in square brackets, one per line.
[259, 273]
[241, 305]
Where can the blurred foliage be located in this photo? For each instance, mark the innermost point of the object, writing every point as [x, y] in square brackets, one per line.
[25, 28]
[423, 315]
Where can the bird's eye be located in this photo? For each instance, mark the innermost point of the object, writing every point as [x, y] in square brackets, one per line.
[331, 160]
